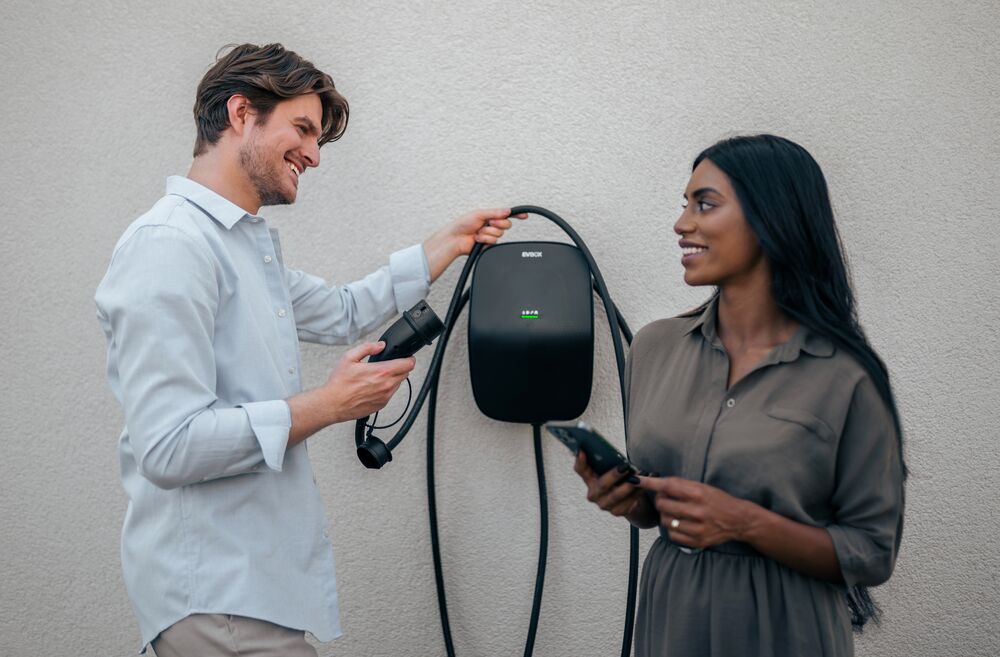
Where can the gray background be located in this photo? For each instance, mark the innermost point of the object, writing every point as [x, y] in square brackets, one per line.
[593, 111]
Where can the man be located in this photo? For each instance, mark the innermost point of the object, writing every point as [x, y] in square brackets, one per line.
[224, 548]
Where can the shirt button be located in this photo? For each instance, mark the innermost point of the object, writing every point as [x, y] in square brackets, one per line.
[267, 259]
[291, 370]
[281, 312]
[730, 403]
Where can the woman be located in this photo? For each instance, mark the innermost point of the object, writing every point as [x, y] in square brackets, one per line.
[770, 422]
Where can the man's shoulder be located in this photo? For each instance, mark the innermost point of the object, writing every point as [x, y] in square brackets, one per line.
[170, 216]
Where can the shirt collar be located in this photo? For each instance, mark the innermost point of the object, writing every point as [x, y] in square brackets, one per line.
[804, 339]
[215, 206]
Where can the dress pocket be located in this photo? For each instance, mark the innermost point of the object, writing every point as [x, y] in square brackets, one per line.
[803, 418]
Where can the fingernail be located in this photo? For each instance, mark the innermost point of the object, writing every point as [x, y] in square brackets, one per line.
[633, 480]
[623, 467]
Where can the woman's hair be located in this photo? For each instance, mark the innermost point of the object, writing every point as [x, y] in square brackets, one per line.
[266, 75]
[786, 203]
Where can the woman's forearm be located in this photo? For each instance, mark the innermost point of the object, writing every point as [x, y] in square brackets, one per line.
[801, 547]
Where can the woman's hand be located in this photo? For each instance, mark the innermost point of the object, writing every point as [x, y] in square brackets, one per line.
[698, 515]
[616, 492]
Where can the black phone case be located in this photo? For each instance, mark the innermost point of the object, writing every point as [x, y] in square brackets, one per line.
[601, 455]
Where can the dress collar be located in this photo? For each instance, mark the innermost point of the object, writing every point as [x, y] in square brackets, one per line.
[804, 339]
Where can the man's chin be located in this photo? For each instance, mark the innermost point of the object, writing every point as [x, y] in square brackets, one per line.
[277, 198]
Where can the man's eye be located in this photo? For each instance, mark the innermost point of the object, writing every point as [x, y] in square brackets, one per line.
[301, 129]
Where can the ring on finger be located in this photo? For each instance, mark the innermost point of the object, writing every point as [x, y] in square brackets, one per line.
[675, 523]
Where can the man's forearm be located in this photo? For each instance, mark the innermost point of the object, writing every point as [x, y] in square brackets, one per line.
[310, 413]
[441, 250]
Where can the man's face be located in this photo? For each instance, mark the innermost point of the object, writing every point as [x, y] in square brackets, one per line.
[278, 150]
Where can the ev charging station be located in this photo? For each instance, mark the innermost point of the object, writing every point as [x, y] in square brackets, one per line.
[530, 310]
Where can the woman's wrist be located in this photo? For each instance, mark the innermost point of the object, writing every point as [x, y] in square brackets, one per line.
[753, 524]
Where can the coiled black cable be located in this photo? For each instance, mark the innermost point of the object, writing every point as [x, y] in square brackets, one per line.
[618, 328]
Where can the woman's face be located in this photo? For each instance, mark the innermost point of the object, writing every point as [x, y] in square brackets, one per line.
[716, 243]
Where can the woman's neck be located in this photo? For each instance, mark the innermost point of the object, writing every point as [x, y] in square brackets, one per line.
[749, 317]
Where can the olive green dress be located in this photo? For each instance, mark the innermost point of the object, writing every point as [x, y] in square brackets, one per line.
[806, 435]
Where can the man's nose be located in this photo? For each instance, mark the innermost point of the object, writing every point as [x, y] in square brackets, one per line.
[310, 153]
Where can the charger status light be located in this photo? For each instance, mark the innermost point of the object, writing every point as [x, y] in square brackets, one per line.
[529, 314]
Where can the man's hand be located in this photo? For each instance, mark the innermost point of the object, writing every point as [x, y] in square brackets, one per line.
[353, 390]
[458, 237]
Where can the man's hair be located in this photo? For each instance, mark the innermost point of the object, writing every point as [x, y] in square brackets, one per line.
[266, 75]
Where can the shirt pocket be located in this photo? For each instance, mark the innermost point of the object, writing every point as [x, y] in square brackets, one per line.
[814, 424]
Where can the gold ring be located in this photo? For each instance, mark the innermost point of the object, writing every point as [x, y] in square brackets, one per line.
[675, 523]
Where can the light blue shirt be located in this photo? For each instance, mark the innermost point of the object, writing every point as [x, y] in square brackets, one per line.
[202, 320]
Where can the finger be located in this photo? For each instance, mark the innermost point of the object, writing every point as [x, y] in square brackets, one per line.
[502, 224]
[523, 215]
[614, 476]
[397, 366]
[357, 353]
[652, 484]
[583, 468]
[494, 213]
[625, 507]
[617, 495]
[490, 230]
[669, 507]
[684, 538]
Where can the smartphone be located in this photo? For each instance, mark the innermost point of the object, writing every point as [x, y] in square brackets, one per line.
[601, 455]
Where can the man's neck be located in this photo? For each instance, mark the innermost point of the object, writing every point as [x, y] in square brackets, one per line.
[225, 177]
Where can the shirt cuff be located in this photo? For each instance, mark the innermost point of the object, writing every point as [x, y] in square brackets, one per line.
[270, 421]
[411, 278]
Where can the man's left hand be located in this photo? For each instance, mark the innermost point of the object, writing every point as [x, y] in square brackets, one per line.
[458, 237]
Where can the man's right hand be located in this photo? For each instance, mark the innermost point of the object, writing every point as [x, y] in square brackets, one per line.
[354, 389]
[357, 388]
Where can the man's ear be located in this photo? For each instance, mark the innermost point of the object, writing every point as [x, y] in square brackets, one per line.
[239, 111]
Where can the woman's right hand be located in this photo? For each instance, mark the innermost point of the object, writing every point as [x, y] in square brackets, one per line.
[616, 492]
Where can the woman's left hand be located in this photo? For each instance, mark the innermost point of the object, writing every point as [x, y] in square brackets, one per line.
[698, 515]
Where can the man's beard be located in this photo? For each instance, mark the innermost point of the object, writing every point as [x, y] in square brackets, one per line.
[264, 176]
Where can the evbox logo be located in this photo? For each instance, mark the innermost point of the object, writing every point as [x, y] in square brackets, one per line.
[531, 254]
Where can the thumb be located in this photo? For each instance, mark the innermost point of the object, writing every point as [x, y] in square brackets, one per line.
[363, 350]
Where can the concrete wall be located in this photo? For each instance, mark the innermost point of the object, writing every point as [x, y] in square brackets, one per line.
[594, 110]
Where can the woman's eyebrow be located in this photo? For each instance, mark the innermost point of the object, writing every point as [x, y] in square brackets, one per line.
[703, 190]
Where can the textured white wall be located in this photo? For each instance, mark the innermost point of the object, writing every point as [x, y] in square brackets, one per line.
[593, 111]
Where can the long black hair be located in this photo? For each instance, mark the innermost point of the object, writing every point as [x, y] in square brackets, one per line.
[786, 202]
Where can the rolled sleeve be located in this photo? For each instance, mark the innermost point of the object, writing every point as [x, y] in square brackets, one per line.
[410, 275]
[868, 498]
[270, 422]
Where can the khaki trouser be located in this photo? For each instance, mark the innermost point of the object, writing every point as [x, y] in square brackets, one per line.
[220, 635]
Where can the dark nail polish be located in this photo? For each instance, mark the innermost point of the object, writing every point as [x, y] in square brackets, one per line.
[623, 467]
[633, 480]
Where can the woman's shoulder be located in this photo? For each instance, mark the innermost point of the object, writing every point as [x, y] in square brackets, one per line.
[666, 332]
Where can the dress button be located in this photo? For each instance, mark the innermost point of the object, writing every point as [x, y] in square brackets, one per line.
[281, 312]
[730, 403]
[267, 259]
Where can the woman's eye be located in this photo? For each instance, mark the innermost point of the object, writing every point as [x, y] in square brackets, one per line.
[704, 206]
[684, 204]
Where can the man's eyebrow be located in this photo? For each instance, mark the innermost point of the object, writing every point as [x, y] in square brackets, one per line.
[310, 126]
[703, 190]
